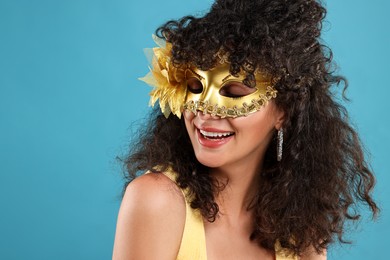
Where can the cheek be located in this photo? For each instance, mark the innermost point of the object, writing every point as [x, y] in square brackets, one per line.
[259, 123]
[188, 117]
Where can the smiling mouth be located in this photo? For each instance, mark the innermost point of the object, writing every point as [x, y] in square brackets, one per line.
[215, 135]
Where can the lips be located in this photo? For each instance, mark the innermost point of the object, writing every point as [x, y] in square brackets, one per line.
[213, 138]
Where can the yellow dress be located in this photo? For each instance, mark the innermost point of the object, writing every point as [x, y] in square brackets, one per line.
[193, 243]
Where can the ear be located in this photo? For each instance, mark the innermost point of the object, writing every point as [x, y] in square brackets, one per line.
[279, 118]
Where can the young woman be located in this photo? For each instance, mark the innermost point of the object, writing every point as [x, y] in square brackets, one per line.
[250, 157]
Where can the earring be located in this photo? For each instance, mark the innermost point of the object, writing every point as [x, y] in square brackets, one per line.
[279, 147]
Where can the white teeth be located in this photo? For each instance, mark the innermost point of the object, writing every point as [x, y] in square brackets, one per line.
[214, 134]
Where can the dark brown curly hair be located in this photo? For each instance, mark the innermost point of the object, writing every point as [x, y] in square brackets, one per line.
[306, 198]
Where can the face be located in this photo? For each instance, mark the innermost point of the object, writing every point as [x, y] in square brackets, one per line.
[220, 142]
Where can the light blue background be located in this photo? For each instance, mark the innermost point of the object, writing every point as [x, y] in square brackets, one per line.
[69, 95]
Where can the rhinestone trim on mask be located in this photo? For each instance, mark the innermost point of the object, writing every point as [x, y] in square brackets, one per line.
[234, 112]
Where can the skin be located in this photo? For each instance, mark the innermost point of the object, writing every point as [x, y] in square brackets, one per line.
[151, 218]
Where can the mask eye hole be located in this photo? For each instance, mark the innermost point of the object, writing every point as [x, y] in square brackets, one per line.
[235, 90]
[194, 85]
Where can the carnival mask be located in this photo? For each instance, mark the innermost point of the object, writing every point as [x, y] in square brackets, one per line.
[215, 91]
[219, 93]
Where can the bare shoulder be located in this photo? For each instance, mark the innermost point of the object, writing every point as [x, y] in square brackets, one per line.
[150, 220]
[156, 191]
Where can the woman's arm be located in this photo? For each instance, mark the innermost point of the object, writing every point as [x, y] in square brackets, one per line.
[150, 220]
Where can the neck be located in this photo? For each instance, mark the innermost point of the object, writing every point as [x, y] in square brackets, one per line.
[241, 187]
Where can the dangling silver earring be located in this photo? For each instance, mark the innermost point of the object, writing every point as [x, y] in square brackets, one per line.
[279, 147]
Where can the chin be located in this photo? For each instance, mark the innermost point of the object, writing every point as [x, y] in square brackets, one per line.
[210, 161]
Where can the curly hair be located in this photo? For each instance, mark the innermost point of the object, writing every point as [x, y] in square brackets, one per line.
[307, 198]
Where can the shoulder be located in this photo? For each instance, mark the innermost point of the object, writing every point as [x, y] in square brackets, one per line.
[154, 197]
[156, 191]
[151, 219]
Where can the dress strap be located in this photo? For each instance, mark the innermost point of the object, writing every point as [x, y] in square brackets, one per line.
[193, 242]
[281, 253]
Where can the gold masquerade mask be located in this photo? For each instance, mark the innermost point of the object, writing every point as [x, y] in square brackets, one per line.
[219, 93]
[215, 91]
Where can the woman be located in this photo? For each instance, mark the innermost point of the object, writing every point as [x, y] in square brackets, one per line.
[251, 156]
